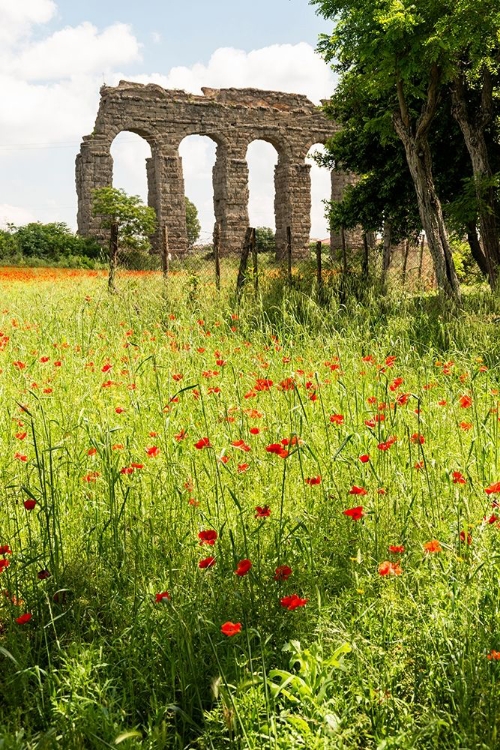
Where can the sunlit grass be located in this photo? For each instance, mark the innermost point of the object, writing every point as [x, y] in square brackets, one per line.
[133, 423]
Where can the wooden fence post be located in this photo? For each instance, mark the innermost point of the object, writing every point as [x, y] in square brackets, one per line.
[253, 242]
[319, 274]
[405, 260]
[240, 281]
[113, 256]
[217, 255]
[344, 250]
[165, 254]
[289, 253]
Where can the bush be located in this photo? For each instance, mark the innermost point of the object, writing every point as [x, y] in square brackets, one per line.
[51, 243]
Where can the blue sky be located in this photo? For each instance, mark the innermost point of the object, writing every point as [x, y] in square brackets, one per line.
[55, 54]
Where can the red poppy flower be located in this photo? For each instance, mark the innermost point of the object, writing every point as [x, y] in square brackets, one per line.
[492, 519]
[364, 458]
[395, 384]
[5, 549]
[243, 568]
[387, 568]
[127, 470]
[403, 399]
[119, 409]
[278, 449]
[21, 435]
[263, 384]
[137, 466]
[203, 443]
[29, 504]
[337, 418]
[91, 477]
[21, 456]
[417, 438]
[465, 402]
[397, 549]
[493, 489]
[208, 562]
[153, 451]
[292, 602]
[254, 430]
[282, 573]
[355, 513]
[177, 376]
[4, 564]
[465, 538]
[23, 619]
[493, 655]
[231, 628]
[357, 490]
[241, 445]
[162, 598]
[42, 575]
[311, 481]
[180, 436]
[262, 511]
[458, 478]
[208, 536]
[432, 546]
[243, 467]
[466, 426]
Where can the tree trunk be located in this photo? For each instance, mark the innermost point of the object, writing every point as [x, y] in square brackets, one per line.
[419, 161]
[473, 132]
[387, 252]
[476, 249]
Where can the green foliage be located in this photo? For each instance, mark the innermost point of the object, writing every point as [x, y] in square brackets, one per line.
[265, 240]
[50, 243]
[192, 222]
[136, 222]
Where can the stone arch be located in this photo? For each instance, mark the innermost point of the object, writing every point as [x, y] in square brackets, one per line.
[259, 158]
[231, 117]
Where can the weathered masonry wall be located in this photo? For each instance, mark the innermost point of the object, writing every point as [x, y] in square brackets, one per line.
[233, 118]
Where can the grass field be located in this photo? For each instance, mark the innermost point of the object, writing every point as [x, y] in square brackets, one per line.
[272, 525]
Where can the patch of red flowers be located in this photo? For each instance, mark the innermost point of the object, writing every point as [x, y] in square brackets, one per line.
[432, 546]
[311, 481]
[355, 513]
[230, 628]
[396, 549]
[208, 562]
[203, 443]
[262, 511]
[153, 451]
[293, 602]
[242, 568]
[209, 536]
[388, 568]
[282, 573]
[493, 489]
[162, 598]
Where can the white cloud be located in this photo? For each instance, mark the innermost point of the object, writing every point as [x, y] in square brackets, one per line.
[14, 215]
[76, 51]
[294, 68]
[50, 94]
[18, 16]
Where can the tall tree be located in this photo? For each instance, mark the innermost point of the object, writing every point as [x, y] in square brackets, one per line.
[471, 29]
[391, 47]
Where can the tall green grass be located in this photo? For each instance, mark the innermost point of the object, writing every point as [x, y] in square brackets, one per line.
[370, 661]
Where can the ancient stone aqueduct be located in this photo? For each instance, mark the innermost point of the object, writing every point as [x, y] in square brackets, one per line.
[233, 118]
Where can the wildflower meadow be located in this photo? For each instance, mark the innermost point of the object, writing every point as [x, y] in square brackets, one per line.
[264, 523]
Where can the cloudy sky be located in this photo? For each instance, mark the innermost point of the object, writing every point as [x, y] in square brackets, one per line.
[55, 54]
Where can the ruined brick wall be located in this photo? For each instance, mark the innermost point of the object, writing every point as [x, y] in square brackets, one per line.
[233, 118]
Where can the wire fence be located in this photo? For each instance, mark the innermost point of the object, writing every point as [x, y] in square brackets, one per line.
[204, 267]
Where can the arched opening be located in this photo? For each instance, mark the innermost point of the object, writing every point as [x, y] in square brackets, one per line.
[198, 154]
[321, 189]
[262, 159]
[130, 152]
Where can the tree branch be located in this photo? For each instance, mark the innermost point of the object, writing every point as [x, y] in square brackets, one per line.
[429, 110]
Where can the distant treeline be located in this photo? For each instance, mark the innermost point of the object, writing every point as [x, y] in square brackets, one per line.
[48, 244]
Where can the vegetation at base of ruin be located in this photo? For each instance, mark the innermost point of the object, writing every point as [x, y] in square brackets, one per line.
[272, 525]
[404, 62]
[48, 244]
